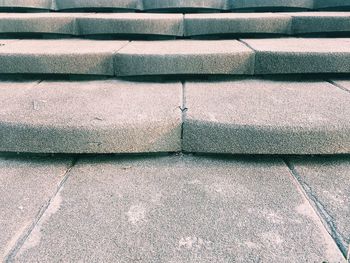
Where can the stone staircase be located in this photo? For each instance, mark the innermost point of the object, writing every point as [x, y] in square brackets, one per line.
[178, 78]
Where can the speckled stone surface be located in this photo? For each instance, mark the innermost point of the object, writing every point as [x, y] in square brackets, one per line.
[107, 116]
[342, 83]
[234, 23]
[98, 4]
[59, 56]
[179, 209]
[36, 4]
[266, 117]
[184, 57]
[184, 4]
[271, 5]
[332, 4]
[26, 186]
[132, 23]
[301, 55]
[326, 181]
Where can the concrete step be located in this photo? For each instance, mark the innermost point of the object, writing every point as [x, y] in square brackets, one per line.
[175, 5]
[160, 209]
[229, 25]
[237, 116]
[175, 57]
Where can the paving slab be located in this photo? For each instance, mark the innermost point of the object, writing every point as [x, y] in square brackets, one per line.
[177, 5]
[342, 83]
[266, 116]
[106, 116]
[60, 56]
[327, 182]
[301, 55]
[132, 23]
[320, 22]
[180, 209]
[184, 57]
[235, 23]
[98, 4]
[332, 4]
[271, 5]
[26, 186]
[37, 4]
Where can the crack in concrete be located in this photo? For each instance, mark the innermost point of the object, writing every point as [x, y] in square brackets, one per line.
[23, 238]
[326, 219]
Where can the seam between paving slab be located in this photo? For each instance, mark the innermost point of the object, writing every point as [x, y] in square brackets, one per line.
[254, 51]
[183, 109]
[24, 236]
[337, 85]
[319, 209]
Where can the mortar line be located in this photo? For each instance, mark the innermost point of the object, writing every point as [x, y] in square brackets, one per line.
[24, 237]
[318, 208]
[337, 85]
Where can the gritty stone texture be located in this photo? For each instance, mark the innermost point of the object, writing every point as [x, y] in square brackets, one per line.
[259, 116]
[184, 4]
[180, 209]
[301, 55]
[271, 5]
[332, 4]
[40, 4]
[319, 22]
[327, 183]
[101, 4]
[107, 116]
[26, 186]
[184, 57]
[233, 23]
[38, 23]
[342, 83]
[132, 23]
[59, 56]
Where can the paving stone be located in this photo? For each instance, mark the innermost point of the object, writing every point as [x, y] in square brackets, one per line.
[342, 83]
[59, 56]
[106, 116]
[98, 4]
[318, 22]
[38, 23]
[26, 186]
[180, 209]
[301, 55]
[327, 182]
[184, 4]
[271, 5]
[257, 116]
[332, 4]
[132, 23]
[184, 57]
[233, 23]
[37, 4]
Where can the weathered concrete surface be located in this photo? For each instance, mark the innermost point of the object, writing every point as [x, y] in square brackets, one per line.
[326, 180]
[184, 57]
[260, 116]
[301, 55]
[132, 23]
[98, 4]
[59, 56]
[332, 4]
[319, 22]
[107, 116]
[342, 83]
[233, 23]
[179, 209]
[26, 186]
[184, 4]
[39, 4]
[271, 5]
[57, 23]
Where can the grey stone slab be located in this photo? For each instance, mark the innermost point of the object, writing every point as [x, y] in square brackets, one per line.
[233, 23]
[56, 23]
[332, 4]
[327, 182]
[184, 57]
[59, 56]
[180, 209]
[106, 116]
[257, 116]
[320, 22]
[26, 186]
[98, 4]
[184, 4]
[271, 5]
[37, 4]
[301, 55]
[132, 23]
[342, 83]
